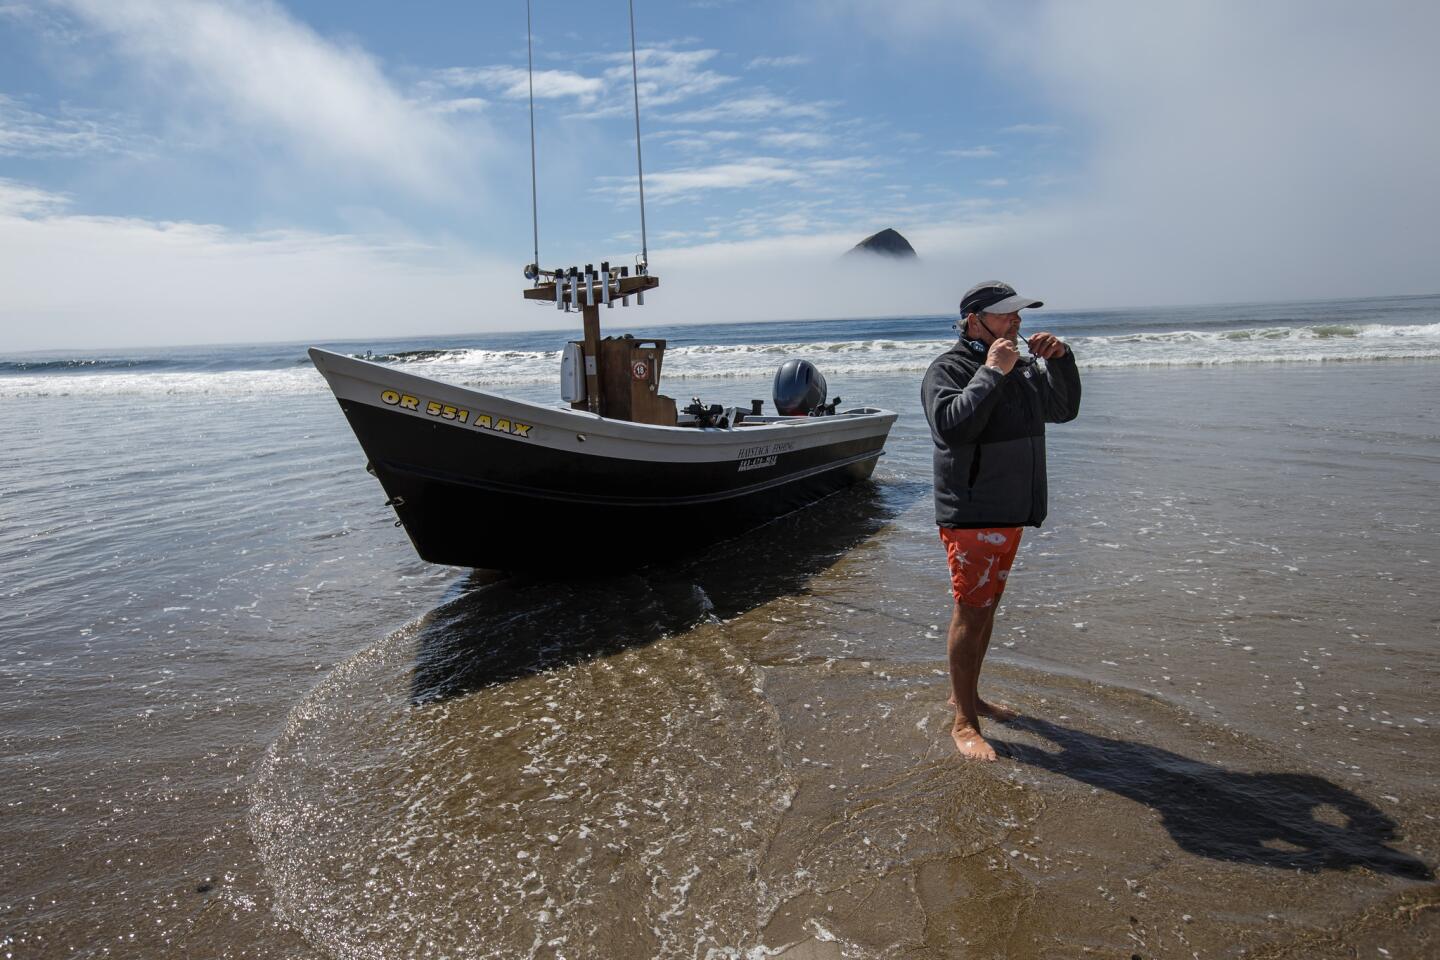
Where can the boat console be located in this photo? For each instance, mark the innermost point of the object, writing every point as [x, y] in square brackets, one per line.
[615, 377]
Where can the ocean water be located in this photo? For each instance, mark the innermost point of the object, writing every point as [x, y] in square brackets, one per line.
[240, 718]
[1397, 328]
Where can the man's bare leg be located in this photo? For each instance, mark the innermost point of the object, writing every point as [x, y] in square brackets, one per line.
[965, 644]
[994, 711]
[983, 707]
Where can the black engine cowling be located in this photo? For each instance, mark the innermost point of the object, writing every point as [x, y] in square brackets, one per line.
[799, 388]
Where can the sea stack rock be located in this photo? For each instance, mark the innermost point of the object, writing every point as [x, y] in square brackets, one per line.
[887, 242]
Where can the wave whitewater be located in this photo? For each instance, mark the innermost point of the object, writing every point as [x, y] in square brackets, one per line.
[489, 368]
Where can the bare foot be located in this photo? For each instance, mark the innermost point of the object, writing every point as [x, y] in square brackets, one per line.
[971, 745]
[996, 711]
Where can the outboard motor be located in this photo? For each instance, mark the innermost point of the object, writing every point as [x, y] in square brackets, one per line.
[799, 388]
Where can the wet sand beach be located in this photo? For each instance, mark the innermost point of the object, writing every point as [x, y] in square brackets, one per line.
[240, 719]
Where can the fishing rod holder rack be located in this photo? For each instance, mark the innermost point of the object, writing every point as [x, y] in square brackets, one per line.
[574, 288]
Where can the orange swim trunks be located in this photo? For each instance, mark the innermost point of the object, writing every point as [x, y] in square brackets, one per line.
[979, 562]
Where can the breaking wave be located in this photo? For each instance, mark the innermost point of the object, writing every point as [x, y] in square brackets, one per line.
[491, 368]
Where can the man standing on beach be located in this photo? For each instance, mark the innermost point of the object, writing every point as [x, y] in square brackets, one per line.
[987, 409]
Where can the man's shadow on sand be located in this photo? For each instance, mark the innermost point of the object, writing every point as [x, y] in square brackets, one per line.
[1286, 820]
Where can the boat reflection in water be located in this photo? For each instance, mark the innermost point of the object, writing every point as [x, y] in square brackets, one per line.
[502, 629]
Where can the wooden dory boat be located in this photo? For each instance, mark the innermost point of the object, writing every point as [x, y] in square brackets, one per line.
[481, 480]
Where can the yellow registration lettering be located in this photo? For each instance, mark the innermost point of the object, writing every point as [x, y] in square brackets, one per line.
[390, 397]
[502, 425]
[410, 403]
[483, 420]
[520, 429]
[432, 408]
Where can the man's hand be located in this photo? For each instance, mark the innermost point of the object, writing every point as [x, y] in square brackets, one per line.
[1047, 346]
[1002, 356]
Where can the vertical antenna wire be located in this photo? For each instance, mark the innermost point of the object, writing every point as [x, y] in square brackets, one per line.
[534, 202]
[639, 167]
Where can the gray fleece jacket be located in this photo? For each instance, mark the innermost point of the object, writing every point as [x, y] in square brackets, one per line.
[989, 433]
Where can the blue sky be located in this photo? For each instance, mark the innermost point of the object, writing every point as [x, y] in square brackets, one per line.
[220, 170]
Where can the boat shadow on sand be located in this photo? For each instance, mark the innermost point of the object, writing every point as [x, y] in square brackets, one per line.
[1291, 821]
[503, 628]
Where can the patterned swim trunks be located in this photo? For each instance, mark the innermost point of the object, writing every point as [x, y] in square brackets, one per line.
[979, 562]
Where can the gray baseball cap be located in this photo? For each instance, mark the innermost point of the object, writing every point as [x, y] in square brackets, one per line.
[992, 296]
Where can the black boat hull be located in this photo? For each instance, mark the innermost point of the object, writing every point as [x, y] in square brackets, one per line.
[540, 513]
[481, 480]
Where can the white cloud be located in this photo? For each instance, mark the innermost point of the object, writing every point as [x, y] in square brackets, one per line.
[254, 69]
[757, 171]
[760, 105]
[796, 214]
[774, 138]
[664, 76]
[459, 105]
[709, 136]
[695, 141]
[794, 139]
[995, 182]
[685, 183]
[28, 133]
[972, 153]
[1037, 129]
[837, 166]
[39, 21]
[157, 282]
[793, 60]
[22, 200]
[514, 82]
